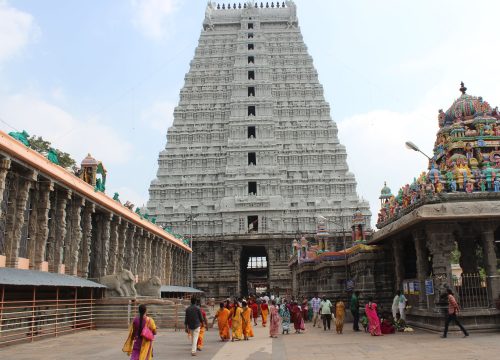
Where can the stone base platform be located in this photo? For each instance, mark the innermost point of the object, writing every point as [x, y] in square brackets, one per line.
[478, 320]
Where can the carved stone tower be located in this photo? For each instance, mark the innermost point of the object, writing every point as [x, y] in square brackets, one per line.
[252, 159]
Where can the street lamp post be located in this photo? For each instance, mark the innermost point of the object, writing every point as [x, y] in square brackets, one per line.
[414, 147]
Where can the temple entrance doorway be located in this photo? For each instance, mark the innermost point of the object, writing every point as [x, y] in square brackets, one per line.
[254, 270]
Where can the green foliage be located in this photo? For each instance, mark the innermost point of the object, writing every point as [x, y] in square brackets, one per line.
[43, 146]
[455, 255]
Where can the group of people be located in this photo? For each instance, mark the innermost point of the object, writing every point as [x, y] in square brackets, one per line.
[236, 319]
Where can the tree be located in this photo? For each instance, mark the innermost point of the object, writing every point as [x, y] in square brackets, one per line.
[43, 147]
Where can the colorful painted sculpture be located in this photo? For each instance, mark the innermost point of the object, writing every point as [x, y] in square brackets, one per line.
[465, 158]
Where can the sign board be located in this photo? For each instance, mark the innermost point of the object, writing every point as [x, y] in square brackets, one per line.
[411, 286]
[405, 287]
[416, 288]
[429, 287]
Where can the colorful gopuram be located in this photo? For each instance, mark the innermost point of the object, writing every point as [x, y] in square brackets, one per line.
[450, 214]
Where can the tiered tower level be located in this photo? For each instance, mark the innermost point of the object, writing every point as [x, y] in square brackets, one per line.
[253, 152]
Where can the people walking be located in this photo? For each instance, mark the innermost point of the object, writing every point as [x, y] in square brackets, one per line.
[203, 327]
[395, 304]
[274, 320]
[192, 322]
[402, 305]
[264, 311]
[285, 317]
[373, 319]
[222, 317]
[453, 310]
[255, 312]
[138, 346]
[298, 321]
[339, 316]
[237, 322]
[355, 310]
[246, 317]
[326, 313]
[315, 303]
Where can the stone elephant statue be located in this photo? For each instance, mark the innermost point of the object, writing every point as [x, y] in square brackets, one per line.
[149, 287]
[120, 284]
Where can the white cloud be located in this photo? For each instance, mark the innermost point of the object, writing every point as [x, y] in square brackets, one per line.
[375, 143]
[17, 28]
[152, 16]
[159, 116]
[66, 132]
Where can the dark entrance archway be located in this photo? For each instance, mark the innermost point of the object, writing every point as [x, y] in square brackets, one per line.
[254, 270]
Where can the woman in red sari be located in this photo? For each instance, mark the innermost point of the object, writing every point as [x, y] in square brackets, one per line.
[373, 319]
[298, 321]
[274, 320]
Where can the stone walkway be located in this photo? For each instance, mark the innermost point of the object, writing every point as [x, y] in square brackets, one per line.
[315, 344]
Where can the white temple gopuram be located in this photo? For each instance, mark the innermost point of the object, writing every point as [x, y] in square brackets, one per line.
[252, 159]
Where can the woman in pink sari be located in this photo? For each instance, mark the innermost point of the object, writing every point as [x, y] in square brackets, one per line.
[373, 320]
[274, 320]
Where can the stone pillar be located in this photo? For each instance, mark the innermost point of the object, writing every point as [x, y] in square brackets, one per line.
[141, 263]
[63, 196]
[113, 245]
[122, 245]
[163, 254]
[154, 256]
[42, 233]
[4, 169]
[136, 253]
[440, 242]
[399, 266]
[175, 266]
[148, 259]
[422, 264]
[128, 262]
[33, 224]
[105, 239]
[72, 250]
[15, 217]
[168, 265]
[490, 262]
[86, 246]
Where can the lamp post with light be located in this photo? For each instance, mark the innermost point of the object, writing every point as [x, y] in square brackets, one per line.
[414, 147]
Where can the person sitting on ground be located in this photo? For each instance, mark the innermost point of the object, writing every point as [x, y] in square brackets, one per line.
[386, 326]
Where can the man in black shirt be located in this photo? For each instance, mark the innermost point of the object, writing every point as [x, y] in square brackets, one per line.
[192, 322]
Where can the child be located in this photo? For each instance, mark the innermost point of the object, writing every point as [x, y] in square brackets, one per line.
[364, 322]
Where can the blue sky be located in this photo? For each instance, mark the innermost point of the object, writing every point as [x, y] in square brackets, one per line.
[104, 76]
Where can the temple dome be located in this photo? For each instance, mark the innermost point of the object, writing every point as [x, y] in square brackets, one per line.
[467, 107]
[385, 193]
[89, 161]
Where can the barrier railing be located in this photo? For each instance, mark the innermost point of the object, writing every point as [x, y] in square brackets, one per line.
[28, 320]
[471, 290]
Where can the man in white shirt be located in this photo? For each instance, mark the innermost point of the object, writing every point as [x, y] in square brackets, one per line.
[315, 303]
[402, 305]
[326, 313]
[395, 304]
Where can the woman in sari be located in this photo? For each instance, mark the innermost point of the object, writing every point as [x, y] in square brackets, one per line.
[255, 312]
[339, 316]
[222, 317]
[373, 320]
[305, 309]
[264, 311]
[136, 346]
[203, 327]
[285, 317]
[298, 321]
[236, 322]
[274, 320]
[246, 317]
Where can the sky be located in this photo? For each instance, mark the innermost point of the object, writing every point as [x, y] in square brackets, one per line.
[103, 77]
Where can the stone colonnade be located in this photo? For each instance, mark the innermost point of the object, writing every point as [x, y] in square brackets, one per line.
[426, 252]
[45, 226]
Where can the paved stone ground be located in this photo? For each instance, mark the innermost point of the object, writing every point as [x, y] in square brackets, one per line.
[313, 344]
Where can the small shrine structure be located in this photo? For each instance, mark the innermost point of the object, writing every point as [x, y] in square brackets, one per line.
[450, 214]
